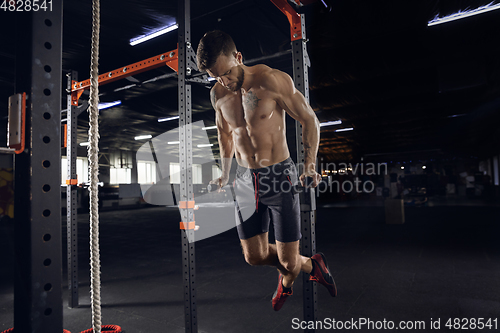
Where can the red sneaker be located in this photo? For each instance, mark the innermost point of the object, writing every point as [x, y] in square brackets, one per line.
[279, 296]
[321, 274]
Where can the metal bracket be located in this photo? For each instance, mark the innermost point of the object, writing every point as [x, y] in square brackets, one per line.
[7, 150]
[201, 79]
[17, 123]
[79, 109]
[191, 65]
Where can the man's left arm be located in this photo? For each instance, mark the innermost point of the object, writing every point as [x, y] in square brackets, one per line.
[295, 104]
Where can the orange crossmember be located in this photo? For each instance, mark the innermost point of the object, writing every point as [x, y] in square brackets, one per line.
[71, 181]
[65, 139]
[169, 59]
[292, 16]
[186, 204]
[187, 225]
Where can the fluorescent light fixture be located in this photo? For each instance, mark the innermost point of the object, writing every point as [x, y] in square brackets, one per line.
[142, 137]
[330, 123]
[84, 144]
[206, 145]
[208, 128]
[344, 129]
[460, 15]
[103, 106]
[138, 40]
[173, 142]
[160, 120]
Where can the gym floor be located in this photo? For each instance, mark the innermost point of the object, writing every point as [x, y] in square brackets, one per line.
[443, 262]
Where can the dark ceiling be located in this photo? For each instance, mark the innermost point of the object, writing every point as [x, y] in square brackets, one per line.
[408, 90]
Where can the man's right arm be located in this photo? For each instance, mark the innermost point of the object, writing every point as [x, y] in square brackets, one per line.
[225, 137]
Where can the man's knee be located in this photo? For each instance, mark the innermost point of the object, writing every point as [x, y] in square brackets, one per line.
[289, 264]
[255, 259]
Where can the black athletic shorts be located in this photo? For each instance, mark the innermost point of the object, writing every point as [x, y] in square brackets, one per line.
[264, 195]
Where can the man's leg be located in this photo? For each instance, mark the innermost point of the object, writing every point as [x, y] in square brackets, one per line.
[291, 262]
[284, 256]
[258, 251]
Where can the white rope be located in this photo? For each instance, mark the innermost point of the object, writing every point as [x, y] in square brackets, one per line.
[92, 152]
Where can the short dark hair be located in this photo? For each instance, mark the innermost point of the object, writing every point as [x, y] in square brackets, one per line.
[211, 46]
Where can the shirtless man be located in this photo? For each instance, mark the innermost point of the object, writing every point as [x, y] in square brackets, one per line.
[250, 105]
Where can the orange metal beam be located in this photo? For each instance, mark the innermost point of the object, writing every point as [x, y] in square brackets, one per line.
[65, 138]
[187, 225]
[292, 16]
[186, 204]
[169, 59]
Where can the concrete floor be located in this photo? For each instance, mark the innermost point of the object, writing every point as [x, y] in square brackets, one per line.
[444, 262]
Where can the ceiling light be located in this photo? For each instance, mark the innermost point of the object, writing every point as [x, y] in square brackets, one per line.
[138, 40]
[424, 167]
[167, 119]
[344, 129]
[142, 137]
[206, 145]
[84, 144]
[464, 14]
[402, 168]
[103, 106]
[173, 142]
[330, 123]
[208, 128]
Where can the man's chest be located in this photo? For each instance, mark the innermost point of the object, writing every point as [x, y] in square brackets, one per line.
[251, 108]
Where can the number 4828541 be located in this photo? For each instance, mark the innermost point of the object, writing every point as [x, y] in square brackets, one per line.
[26, 5]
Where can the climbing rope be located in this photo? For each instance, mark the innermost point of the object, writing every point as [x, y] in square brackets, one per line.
[106, 329]
[92, 153]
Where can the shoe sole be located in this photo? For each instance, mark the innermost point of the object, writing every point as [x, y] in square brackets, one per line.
[278, 306]
[333, 292]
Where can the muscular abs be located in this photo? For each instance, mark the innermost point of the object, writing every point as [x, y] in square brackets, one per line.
[258, 127]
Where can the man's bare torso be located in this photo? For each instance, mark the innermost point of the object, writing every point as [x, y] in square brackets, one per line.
[256, 120]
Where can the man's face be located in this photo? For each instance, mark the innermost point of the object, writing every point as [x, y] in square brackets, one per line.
[228, 72]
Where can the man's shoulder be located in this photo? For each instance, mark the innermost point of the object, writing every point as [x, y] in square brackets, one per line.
[265, 72]
[215, 94]
[217, 91]
[270, 78]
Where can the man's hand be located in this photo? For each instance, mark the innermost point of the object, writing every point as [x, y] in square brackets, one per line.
[316, 178]
[221, 181]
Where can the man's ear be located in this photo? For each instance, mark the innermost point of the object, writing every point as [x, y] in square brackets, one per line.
[239, 58]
